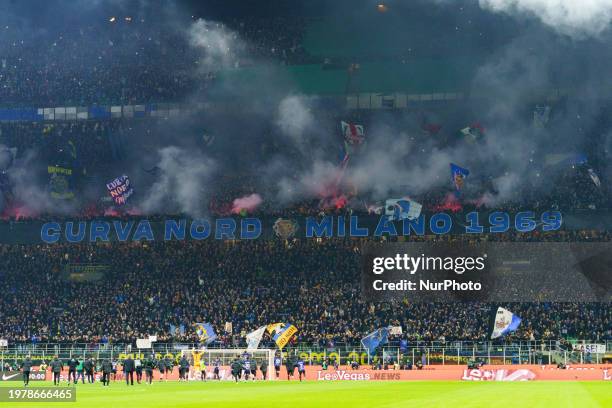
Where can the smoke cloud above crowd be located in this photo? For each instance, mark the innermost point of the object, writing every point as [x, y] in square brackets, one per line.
[251, 117]
[573, 18]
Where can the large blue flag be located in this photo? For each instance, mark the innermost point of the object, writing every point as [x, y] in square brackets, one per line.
[505, 322]
[375, 339]
[458, 175]
[205, 332]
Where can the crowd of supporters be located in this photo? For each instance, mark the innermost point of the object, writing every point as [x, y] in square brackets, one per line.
[97, 150]
[127, 61]
[164, 288]
[140, 289]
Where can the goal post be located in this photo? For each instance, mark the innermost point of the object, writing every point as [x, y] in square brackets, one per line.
[225, 357]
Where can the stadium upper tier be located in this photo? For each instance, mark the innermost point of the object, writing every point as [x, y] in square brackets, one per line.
[95, 152]
[138, 62]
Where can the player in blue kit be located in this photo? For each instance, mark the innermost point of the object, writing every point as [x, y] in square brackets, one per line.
[246, 366]
[301, 366]
[217, 365]
[277, 365]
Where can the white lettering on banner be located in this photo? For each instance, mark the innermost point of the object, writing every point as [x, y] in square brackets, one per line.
[498, 375]
[590, 348]
[342, 375]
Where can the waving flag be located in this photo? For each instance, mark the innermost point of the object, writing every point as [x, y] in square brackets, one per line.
[458, 175]
[120, 189]
[594, 177]
[353, 134]
[473, 132]
[281, 333]
[541, 115]
[402, 208]
[205, 332]
[505, 322]
[61, 180]
[375, 339]
[254, 338]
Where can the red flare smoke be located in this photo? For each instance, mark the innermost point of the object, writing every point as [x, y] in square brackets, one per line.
[248, 203]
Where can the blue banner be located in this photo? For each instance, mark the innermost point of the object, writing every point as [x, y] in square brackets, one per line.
[304, 227]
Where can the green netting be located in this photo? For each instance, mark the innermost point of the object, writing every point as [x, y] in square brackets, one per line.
[419, 76]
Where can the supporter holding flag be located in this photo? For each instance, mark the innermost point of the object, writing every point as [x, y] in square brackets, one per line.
[474, 132]
[254, 338]
[505, 322]
[353, 134]
[281, 333]
[541, 116]
[377, 338]
[397, 209]
[205, 332]
[354, 137]
[594, 177]
[458, 175]
[120, 189]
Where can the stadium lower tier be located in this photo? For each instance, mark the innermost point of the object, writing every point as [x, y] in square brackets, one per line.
[116, 293]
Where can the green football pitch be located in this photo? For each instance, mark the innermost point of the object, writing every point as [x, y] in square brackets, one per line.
[336, 394]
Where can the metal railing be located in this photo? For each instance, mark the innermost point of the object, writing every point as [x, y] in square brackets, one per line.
[426, 353]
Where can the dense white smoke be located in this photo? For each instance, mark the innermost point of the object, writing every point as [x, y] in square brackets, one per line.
[576, 18]
[310, 183]
[181, 184]
[30, 195]
[219, 46]
[294, 118]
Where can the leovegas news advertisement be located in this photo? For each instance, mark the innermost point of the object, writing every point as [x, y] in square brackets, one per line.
[487, 373]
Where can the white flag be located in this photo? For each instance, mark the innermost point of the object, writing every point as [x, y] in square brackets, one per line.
[143, 343]
[254, 338]
[594, 177]
[402, 208]
[395, 329]
[505, 322]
